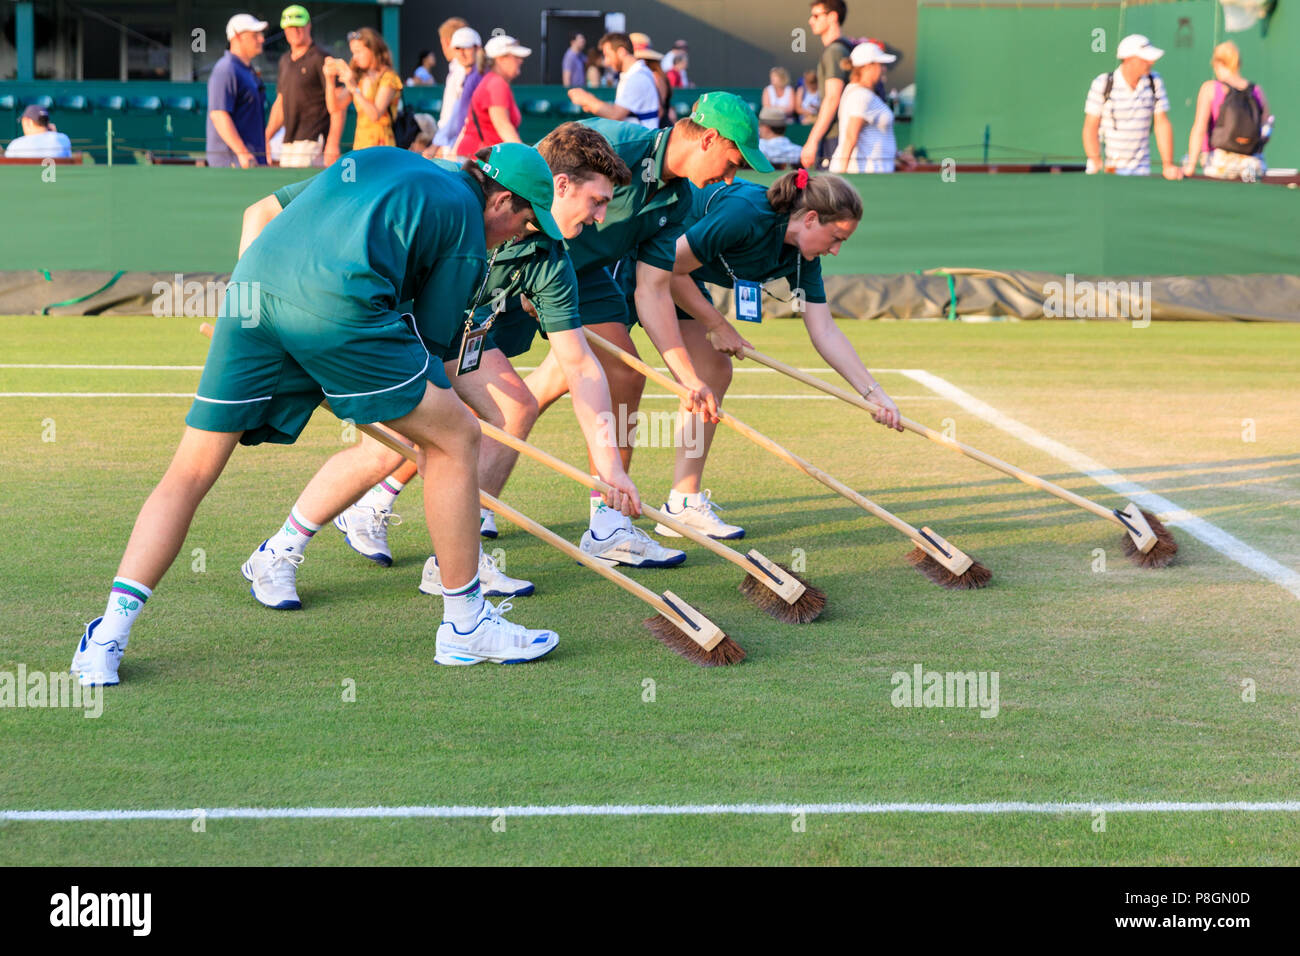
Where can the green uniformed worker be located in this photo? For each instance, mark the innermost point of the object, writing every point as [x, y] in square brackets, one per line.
[642, 226]
[310, 313]
[745, 237]
[358, 487]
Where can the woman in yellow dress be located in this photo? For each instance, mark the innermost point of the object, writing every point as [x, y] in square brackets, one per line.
[372, 84]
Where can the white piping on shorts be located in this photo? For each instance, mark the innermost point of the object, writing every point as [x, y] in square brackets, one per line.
[227, 401]
[390, 388]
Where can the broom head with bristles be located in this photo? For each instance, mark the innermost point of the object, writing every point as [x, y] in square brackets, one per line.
[975, 576]
[1160, 554]
[808, 606]
[670, 633]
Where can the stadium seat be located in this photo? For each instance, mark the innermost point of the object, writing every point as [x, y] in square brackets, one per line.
[8, 102]
[74, 103]
[45, 101]
[110, 103]
[570, 109]
[144, 104]
[682, 108]
[538, 108]
[184, 103]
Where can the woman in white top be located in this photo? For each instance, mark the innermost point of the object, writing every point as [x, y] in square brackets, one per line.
[866, 122]
[780, 94]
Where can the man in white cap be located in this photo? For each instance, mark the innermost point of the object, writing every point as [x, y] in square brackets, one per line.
[464, 46]
[237, 99]
[1121, 109]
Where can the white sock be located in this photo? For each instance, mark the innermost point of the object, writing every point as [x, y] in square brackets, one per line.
[680, 501]
[294, 535]
[383, 495]
[125, 602]
[605, 520]
[462, 607]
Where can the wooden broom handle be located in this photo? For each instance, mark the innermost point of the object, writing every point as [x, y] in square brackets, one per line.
[807, 467]
[1005, 467]
[580, 476]
[544, 533]
[529, 525]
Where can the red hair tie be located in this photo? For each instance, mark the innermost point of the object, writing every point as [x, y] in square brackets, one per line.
[801, 179]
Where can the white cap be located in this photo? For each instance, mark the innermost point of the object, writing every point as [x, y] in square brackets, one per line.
[465, 38]
[1135, 44]
[243, 23]
[865, 53]
[502, 45]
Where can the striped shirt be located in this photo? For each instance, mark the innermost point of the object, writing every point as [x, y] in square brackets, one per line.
[875, 145]
[1126, 119]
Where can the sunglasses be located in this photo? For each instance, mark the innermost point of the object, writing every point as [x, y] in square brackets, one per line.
[354, 35]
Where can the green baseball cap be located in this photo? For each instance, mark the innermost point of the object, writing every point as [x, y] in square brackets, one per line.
[522, 170]
[294, 16]
[733, 119]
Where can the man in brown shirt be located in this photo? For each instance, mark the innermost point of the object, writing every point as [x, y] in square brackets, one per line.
[312, 126]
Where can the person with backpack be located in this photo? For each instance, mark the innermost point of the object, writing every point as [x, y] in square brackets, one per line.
[1232, 122]
[1122, 108]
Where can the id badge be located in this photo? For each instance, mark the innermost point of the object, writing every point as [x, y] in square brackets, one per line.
[749, 304]
[471, 351]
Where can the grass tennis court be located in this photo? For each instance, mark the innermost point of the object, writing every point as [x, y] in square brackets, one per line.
[1114, 685]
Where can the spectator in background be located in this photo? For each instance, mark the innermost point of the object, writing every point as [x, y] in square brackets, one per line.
[373, 86]
[422, 75]
[40, 139]
[494, 115]
[1121, 109]
[236, 127]
[1247, 118]
[456, 70]
[776, 146]
[311, 121]
[653, 59]
[595, 69]
[637, 97]
[574, 68]
[826, 19]
[866, 141]
[463, 79]
[810, 99]
[677, 74]
[779, 94]
[675, 61]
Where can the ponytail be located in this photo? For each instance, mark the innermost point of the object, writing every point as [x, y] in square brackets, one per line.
[831, 197]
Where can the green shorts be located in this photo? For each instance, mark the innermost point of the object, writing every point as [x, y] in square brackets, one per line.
[265, 375]
[605, 296]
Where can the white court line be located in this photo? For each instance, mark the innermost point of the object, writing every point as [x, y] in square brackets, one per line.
[135, 368]
[96, 394]
[647, 810]
[1168, 512]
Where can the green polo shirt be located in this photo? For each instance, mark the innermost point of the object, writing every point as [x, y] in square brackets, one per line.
[646, 216]
[737, 224]
[408, 230]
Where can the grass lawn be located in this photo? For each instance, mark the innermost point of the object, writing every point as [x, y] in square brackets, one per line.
[1119, 684]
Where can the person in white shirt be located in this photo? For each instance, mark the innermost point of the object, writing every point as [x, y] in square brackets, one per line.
[465, 45]
[637, 97]
[775, 145]
[866, 122]
[40, 139]
[1121, 110]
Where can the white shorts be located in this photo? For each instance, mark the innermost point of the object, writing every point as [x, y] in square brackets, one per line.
[303, 152]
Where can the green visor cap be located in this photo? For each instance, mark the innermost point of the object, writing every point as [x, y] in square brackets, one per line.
[294, 16]
[522, 170]
[733, 119]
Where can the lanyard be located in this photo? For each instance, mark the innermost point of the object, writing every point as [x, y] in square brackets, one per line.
[798, 266]
[478, 298]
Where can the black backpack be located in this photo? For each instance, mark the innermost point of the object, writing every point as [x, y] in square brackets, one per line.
[405, 128]
[1240, 126]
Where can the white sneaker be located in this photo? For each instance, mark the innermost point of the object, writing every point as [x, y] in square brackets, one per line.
[487, 523]
[366, 529]
[631, 546]
[96, 662]
[494, 581]
[493, 639]
[274, 577]
[702, 518]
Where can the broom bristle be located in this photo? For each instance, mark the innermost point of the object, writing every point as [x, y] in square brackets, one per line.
[976, 576]
[726, 652]
[1161, 553]
[807, 607]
